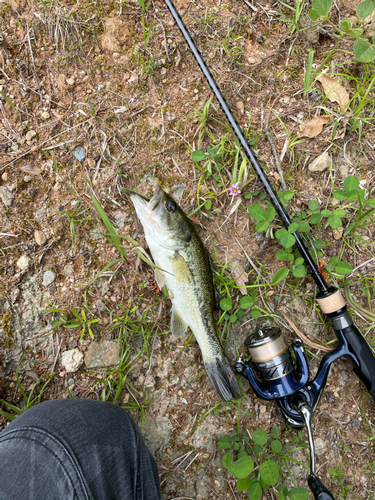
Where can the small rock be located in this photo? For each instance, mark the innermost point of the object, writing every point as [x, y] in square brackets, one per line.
[5, 176]
[10, 271]
[319, 446]
[30, 135]
[133, 79]
[12, 187]
[48, 278]
[31, 192]
[91, 163]
[100, 306]
[73, 344]
[102, 353]
[79, 153]
[240, 106]
[119, 218]
[45, 115]
[15, 293]
[6, 196]
[70, 82]
[344, 170]
[100, 87]
[23, 262]
[321, 163]
[39, 214]
[337, 233]
[68, 270]
[170, 116]
[57, 186]
[27, 178]
[40, 238]
[72, 360]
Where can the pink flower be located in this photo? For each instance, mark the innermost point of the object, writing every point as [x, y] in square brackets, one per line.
[234, 190]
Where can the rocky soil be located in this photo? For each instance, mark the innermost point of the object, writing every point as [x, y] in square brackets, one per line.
[87, 106]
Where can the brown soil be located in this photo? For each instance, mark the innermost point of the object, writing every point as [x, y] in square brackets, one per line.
[132, 108]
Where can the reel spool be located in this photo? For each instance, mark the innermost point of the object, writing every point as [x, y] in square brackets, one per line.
[272, 371]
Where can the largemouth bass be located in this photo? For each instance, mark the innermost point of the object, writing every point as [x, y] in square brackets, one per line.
[185, 268]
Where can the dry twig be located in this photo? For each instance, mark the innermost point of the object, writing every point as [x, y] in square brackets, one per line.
[303, 337]
[274, 152]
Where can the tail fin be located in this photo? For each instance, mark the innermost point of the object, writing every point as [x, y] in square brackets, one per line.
[223, 378]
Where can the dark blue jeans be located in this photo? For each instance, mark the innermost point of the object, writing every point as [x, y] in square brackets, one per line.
[76, 449]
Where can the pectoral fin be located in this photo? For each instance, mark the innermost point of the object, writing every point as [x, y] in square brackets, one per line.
[178, 325]
[181, 270]
[159, 278]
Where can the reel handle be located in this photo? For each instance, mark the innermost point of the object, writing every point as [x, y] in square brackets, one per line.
[364, 356]
[318, 489]
[333, 305]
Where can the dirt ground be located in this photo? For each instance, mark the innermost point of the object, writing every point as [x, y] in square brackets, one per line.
[87, 99]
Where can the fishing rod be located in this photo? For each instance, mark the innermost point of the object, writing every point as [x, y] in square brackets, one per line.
[272, 372]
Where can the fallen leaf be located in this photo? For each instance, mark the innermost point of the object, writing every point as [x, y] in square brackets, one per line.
[235, 206]
[337, 233]
[321, 163]
[313, 127]
[240, 276]
[29, 168]
[334, 90]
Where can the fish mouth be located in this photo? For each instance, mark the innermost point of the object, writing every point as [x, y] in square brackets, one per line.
[149, 210]
[156, 203]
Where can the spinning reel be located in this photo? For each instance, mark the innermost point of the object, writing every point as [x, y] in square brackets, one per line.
[280, 372]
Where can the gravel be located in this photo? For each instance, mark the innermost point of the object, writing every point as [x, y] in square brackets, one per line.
[23, 262]
[48, 278]
[40, 238]
[72, 360]
[6, 196]
[79, 153]
[100, 354]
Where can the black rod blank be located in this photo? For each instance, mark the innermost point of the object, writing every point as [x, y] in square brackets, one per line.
[318, 278]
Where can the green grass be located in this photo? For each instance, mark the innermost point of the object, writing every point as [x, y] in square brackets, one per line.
[30, 398]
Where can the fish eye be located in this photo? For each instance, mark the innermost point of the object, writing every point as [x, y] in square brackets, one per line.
[171, 206]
